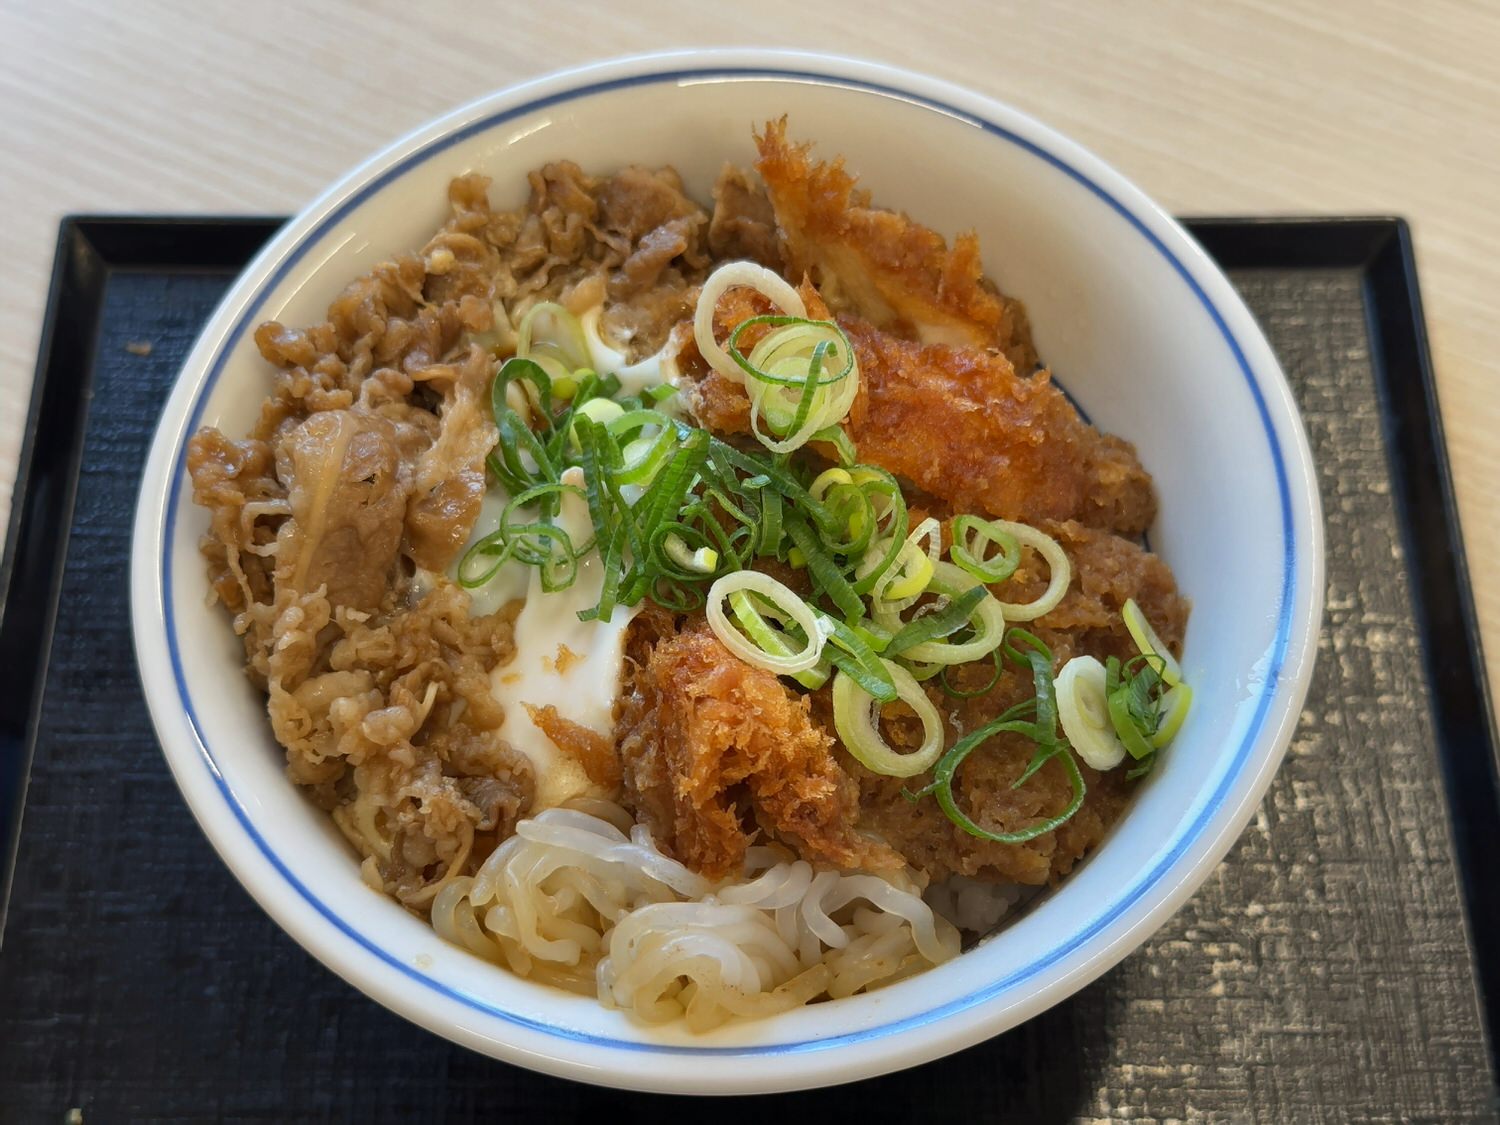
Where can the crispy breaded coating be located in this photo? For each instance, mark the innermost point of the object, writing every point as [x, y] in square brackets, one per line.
[880, 265]
[963, 426]
[590, 749]
[715, 750]
[959, 423]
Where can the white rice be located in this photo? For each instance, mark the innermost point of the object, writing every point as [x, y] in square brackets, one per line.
[974, 906]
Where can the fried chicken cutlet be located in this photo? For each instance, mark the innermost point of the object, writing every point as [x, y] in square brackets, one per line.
[962, 425]
[880, 265]
[715, 751]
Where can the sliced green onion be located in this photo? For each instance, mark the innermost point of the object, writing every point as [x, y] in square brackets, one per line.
[729, 276]
[945, 622]
[826, 480]
[768, 540]
[1127, 728]
[856, 717]
[854, 655]
[797, 611]
[836, 437]
[751, 619]
[942, 671]
[703, 560]
[947, 767]
[971, 535]
[599, 410]
[911, 572]
[1084, 710]
[825, 574]
[790, 381]
[1150, 644]
[987, 619]
[1175, 704]
[1057, 561]
[517, 443]
[549, 330]
[492, 552]
[924, 672]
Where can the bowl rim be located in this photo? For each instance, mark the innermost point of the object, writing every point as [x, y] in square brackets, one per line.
[1177, 871]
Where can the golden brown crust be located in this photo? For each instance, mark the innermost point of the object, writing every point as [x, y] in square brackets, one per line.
[880, 265]
[715, 751]
[590, 749]
[960, 424]
[963, 426]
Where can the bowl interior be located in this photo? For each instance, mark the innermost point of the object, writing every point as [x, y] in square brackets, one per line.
[1118, 315]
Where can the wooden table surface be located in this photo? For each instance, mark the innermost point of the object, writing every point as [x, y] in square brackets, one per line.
[1244, 106]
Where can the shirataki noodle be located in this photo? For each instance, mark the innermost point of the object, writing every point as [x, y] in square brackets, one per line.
[582, 898]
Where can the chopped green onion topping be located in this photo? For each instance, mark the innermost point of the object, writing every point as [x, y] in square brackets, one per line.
[856, 713]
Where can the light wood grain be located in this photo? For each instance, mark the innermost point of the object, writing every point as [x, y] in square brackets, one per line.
[1231, 107]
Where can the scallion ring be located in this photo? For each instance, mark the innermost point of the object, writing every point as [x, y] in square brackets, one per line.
[909, 576]
[971, 535]
[1175, 704]
[947, 767]
[794, 380]
[1127, 726]
[797, 611]
[856, 717]
[729, 276]
[1057, 561]
[1083, 708]
[752, 619]
[1150, 644]
[549, 330]
[986, 618]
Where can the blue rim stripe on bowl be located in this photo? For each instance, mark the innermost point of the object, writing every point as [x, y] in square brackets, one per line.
[1106, 917]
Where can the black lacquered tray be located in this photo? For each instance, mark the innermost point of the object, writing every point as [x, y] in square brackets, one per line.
[1338, 965]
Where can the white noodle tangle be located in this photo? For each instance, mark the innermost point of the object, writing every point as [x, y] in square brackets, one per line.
[570, 899]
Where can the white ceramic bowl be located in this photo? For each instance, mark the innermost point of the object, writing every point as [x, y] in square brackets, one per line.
[1137, 322]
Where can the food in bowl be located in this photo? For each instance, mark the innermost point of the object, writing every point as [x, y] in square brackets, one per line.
[711, 609]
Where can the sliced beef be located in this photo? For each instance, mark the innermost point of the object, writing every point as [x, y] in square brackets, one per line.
[341, 470]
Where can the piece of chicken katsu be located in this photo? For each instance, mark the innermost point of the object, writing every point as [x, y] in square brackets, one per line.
[957, 419]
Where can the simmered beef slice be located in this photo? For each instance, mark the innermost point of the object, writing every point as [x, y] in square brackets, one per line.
[743, 225]
[341, 469]
[448, 479]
